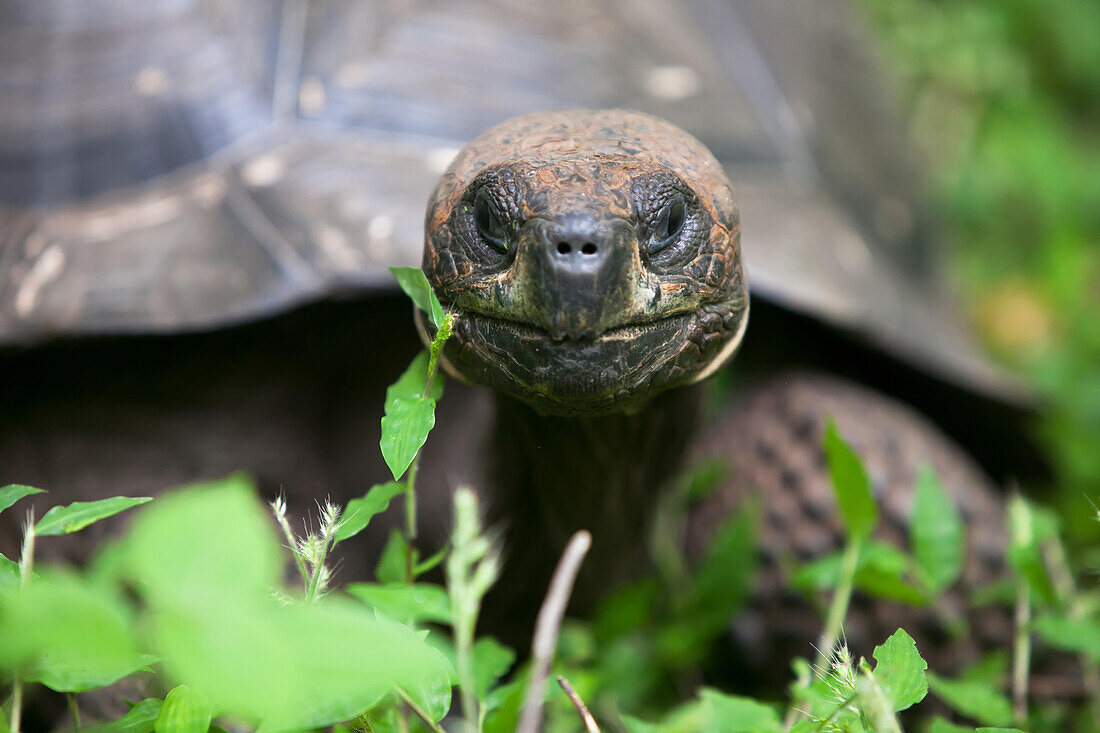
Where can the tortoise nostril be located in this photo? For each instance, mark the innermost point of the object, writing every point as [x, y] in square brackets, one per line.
[564, 248]
[588, 249]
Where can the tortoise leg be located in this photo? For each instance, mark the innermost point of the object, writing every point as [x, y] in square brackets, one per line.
[773, 443]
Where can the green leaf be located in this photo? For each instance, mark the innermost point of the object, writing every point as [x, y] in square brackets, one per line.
[731, 714]
[433, 694]
[430, 563]
[939, 725]
[936, 531]
[1028, 528]
[412, 381]
[79, 514]
[405, 427]
[850, 482]
[358, 513]
[402, 602]
[394, 561]
[140, 719]
[724, 578]
[183, 711]
[1075, 635]
[415, 285]
[10, 576]
[899, 671]
[14, 492]
[881, 571]
[972, 698]
[492, 660]
[69, 634]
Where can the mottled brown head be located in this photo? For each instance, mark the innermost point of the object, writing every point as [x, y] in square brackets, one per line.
[592, 259]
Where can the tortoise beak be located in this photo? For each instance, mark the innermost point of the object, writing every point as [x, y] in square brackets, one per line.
[576, 273]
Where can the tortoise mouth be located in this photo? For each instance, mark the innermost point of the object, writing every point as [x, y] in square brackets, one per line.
[618, 369]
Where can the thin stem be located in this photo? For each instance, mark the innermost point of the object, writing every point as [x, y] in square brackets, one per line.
[278, 508]
[419, 711]
[26, 567]
[74, 709]
[547, 626]
[582, 710]
[834, 620]
[319, 568]
[410, 517]
[1021, 650]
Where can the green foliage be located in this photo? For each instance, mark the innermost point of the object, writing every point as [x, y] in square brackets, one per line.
[358, 513]
[900, 671]
[183, 711]
[852, 487]
[14, 492]
[79, 514]
[936, 532]
[415, 285]
[973, 698]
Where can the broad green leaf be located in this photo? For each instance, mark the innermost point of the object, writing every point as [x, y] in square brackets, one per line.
[402, 602]
[732, 714]
[392, 565]
[405, 427]
[79, 514]
[183, 711]
[358, 513]
[1076, 635]
[69, 634]
[850, 482]
[899, 671]
[411, 382]
[936, 531]
[415, 285]
[972, 698]
[195, 547]
[14, 492]
[9, 574]
[433, 695]
[882, 571]
[723, 580]
[140, 719]
[492, 660]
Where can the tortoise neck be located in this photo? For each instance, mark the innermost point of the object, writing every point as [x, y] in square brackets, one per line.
[556, 475]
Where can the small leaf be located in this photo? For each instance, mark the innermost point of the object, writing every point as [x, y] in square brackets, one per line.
[938, 537]
[412, 381]
[939, 725]
[358, 513]
[1076, 635]
[1027, 529]
[881, 571]
[972, 698]
[850, 482]
[732, 714]
[415, 285]
[14, 492]
[402, 602]
[404, 430]
[394, 561]
[899, 671]
[9, 574]
[725, 576]
[492, 660]
[430, 563]
[140, 719]
[79, 514]
[433, 695]
[184, 711]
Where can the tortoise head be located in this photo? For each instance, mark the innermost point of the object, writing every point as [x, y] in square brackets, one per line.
[591, 258]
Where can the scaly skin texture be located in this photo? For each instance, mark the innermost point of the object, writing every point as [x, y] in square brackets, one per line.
[649, 320]
[584, 350]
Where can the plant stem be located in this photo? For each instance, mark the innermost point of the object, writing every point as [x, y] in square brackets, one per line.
[1021, 650]
[419, 711]
[410, 517]
[74, 709]
[834, 620]
[315, 580]
[26, 566]
[1054, 552]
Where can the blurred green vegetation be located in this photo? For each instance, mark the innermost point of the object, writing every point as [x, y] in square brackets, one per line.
[1004, 101]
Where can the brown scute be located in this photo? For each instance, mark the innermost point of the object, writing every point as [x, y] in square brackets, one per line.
[773, 443]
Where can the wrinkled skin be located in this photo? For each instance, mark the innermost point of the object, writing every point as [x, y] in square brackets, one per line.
[592, 260]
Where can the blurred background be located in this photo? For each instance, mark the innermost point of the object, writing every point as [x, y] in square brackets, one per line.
[1003, 100]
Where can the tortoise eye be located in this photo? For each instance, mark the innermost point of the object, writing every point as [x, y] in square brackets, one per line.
[668, 224]
[488, 222]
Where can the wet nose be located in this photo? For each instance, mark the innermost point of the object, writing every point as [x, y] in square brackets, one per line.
[577, 245]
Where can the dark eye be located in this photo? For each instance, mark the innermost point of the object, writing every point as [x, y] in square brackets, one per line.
[667, 226]
[488, 222]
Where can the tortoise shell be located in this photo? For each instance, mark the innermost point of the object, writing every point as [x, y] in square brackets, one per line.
[178, 165]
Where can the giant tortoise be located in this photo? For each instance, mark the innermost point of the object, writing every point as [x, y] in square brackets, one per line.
[199, 200]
